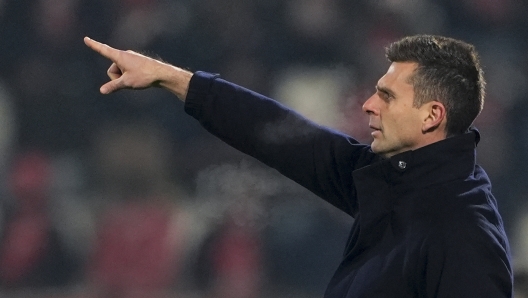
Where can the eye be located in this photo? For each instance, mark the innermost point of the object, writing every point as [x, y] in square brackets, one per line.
[385, 96]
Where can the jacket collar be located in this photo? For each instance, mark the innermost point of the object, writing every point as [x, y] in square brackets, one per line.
[451, 158]
[380, 183]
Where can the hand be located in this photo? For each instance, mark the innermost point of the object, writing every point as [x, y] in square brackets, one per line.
[129, 70]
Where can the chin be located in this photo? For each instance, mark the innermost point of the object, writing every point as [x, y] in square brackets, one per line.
[378, 150]
[374, 147]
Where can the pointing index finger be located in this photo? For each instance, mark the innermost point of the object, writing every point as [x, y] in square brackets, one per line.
[101, 48]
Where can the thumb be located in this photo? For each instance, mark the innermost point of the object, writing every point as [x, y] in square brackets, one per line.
[112, 86]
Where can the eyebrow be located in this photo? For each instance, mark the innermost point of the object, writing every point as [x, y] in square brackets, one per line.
[385, 90]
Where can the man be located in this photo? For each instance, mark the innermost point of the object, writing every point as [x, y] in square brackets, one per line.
[426, 223]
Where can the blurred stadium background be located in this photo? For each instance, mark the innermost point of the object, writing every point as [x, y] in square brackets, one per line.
[126, 196]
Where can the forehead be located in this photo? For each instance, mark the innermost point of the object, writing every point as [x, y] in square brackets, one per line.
[398, 75]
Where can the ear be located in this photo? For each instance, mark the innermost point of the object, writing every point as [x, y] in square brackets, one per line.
[435, 116]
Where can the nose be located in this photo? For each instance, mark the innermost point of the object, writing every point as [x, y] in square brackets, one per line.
[369, 107]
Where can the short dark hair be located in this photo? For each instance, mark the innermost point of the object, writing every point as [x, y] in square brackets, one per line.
[448, 71]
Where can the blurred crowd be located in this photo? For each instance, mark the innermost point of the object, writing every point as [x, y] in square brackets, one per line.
[126, 196]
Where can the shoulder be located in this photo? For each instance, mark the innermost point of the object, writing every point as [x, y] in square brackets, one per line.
[469, 224]
[467, 260]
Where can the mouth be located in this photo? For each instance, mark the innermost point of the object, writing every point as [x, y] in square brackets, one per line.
[375, 130]
[374, 127]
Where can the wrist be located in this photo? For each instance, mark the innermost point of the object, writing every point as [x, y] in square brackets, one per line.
[175, 80]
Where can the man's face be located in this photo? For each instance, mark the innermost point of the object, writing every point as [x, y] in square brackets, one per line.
[396, 123]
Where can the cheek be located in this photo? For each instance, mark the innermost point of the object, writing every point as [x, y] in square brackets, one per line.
[403, 125]
[409, 126]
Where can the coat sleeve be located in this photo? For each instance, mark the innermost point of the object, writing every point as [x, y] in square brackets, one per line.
[318, 158]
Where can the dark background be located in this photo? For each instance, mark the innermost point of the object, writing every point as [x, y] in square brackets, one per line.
[126, 196]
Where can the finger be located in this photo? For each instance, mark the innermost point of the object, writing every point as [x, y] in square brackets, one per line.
[114, 72]
[102, 49]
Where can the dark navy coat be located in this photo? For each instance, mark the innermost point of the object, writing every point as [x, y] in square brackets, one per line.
[426, 222]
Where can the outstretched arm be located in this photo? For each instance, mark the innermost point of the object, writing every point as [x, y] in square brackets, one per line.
[131, 70]
[318, 158]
